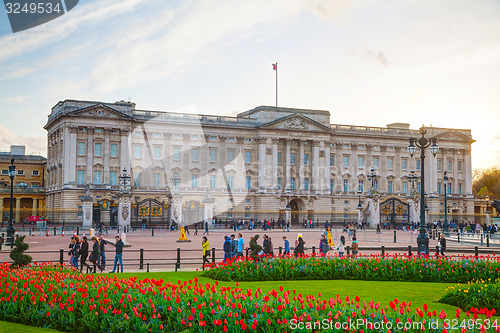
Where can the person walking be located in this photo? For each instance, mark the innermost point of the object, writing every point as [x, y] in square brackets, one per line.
[102, 250]
[287, 246]
[206, 229]
[196, 229]
[354, 246]
[234, 246]
[76, 252]
[324, 247]
[241, 245]
[442, 245]
[341, 246]
[70, 253]
[95, 255]
[119, 254]
[206, 251]
[84, 251]
[227, 248]
[186, 229]
[299, 247]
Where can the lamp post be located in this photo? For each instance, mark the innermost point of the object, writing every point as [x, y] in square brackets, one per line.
[446, 225]
[176, 180]
[412, 178]
[422, 144]
[124, 182]
[372, 176]
[487, 211]
[10, 229]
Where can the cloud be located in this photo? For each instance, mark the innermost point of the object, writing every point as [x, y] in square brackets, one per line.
[15, 99]
[32, 39]
[328, 9]
[379, 57]
[33, 144]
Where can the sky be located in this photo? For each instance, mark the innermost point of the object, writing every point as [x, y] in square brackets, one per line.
[368, 62]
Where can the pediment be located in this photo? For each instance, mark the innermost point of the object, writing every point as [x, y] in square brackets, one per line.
[454, 135]
[296, 122]
[100, 111]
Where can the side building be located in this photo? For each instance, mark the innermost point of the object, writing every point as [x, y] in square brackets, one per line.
[29, 185]
[249, 166]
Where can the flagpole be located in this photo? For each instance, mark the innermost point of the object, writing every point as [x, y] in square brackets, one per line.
[276, 84]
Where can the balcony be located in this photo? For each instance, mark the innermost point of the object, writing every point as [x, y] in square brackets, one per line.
[23, 190]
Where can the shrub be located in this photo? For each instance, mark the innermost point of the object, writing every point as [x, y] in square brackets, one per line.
[476, 294]
[16, 254]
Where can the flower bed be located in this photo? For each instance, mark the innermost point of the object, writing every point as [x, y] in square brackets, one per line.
[70, 301]
[477, 294]
[373, 268]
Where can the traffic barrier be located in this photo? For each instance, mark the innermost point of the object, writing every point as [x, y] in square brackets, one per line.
[47, 233]
[62, 234]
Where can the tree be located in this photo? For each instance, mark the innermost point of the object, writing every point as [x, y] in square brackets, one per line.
[20, 259]
[487, 183]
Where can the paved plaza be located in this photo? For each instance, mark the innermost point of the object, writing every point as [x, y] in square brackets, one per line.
[160, 250]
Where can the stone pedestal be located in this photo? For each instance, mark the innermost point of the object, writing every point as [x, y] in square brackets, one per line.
[124, 211]
[87, 207]
[208, 207]
[487, 218]
[177, 209]
[288, 216]
[414, 202]
[373, 209]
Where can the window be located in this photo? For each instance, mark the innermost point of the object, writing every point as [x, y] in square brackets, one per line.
[375, 184]
[194, 180]
[438, 165]
[247, 212]
[390, 186]
[80, 177]
[405, 187]
[114, 150]
[248, 157]
[346, 161]
[230, 182]
[346, 146]
[212, 181]
[306, 159]
[229, 212]
[195, 152]
[361, 186]
[98, 149]
[331, 185]
[177, 153]
[113, 178]
[292, 158]
[213, 155]
[361, 162]
[248, 182]
[97, 177]
[418, 187]
[306, 184]
[459, 166]
[5, 172]
[331, 160]
[230, 155]
[81, 148]
[279, 157]
[292, 183]
[375, 162]
[449, 188]
[137, 151]
[404, 163]
[459, 188]
[98, 130]
[439, 188]
[157, 152]
[390, 163]
[418, 164]
[346, 185]
[137, 180]
[279, 183]
[449, 165]
[80, 211]
[20, 172]
[35, 173]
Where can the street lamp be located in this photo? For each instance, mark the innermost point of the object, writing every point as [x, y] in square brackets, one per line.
[372, 176]
[124, 182]
[422, 144]
[446, 225]
[176, 180]
[487, 211]
[10, 229]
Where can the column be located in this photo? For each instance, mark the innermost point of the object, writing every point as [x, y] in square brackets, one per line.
[1, 210]
[274, 163]
[18, 210]
[262, 163]
[90, 155]
[467, 167]
[35, 205]
[287, 166]
[67, 155]
[455, 171]
[72, 151]
[339, 162]
[124, 153]
[315, 167]
[301, 165]
[431, 172]
[106, 151]
[326, 180]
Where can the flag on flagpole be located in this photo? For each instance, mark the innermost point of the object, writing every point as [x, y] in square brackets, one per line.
[275, 66]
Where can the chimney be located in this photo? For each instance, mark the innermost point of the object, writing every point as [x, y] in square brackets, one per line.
[17, 150]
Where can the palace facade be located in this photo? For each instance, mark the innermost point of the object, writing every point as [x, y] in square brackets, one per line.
[249, 166]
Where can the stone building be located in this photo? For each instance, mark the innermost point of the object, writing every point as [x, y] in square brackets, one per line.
[29, 184]
[248, 166]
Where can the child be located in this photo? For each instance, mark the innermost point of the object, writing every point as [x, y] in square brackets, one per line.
[287, 246]
[354, 246]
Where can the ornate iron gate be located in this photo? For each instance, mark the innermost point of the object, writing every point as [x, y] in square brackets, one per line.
[394, 211]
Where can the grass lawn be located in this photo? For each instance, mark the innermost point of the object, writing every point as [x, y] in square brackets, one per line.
[379, 291]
